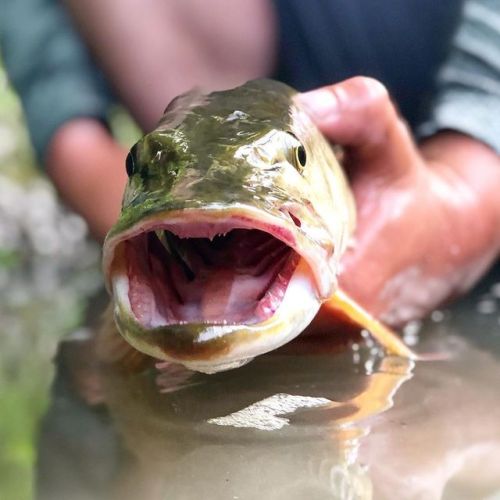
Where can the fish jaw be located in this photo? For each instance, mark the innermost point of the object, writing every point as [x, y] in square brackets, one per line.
[220, 338]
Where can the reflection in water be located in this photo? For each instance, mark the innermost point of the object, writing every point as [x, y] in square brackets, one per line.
[265, 415]
[290, 425]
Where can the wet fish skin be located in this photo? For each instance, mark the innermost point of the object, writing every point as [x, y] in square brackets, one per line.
[248, 157]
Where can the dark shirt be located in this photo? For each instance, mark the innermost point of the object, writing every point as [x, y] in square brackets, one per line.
[400, 42]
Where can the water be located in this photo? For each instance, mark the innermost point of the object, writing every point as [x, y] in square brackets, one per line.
[315, 421]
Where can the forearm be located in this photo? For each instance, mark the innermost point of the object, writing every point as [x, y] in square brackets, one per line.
[183, 45]
[87, 167]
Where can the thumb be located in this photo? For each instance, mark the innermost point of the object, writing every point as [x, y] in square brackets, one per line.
[359, 115]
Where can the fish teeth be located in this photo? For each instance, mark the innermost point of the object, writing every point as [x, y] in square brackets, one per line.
[162, 237]
[178, 253]
[216, 235]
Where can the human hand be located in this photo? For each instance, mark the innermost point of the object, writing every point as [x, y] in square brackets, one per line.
[427, 217]
[88, 168]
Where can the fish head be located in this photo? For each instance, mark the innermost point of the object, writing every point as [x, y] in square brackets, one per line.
[234, 218]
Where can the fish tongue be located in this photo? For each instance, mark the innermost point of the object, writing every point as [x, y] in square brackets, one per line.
[231, 297]
[216, 295]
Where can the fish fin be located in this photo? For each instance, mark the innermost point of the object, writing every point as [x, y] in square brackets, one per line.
[341, 304]
[113, 349]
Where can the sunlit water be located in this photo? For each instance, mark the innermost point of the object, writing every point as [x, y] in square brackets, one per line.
[315, 422]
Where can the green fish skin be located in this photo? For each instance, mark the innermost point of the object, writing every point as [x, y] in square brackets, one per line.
[233, 223]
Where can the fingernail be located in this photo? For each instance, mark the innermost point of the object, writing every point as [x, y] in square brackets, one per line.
[320, 103]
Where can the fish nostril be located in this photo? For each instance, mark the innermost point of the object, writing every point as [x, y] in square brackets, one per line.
[295, 219]
[292, 216]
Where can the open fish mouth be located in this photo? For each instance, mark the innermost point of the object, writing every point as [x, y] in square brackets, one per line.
[234, 277]
[226, 271]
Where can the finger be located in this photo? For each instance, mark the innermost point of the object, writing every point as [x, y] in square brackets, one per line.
[358, 113]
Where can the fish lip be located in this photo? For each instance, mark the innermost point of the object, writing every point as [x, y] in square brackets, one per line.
[241, 217]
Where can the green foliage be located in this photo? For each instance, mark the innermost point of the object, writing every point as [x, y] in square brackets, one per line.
[8, 258]
[29, 336]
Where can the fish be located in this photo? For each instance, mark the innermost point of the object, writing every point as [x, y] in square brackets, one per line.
[234, 221]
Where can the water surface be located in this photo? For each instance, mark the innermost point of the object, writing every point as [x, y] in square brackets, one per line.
[319, 420]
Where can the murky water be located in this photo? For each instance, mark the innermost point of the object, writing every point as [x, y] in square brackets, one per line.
[318, 421]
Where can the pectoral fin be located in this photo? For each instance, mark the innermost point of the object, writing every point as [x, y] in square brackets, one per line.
[341, 304]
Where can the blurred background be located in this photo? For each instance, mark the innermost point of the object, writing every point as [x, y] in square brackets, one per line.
[48, 268]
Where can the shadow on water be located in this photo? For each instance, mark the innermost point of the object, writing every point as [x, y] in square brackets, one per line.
[347, 423]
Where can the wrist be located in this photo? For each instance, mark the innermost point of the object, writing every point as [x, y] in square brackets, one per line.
[464, 179]
[473, 170]
[470, 161]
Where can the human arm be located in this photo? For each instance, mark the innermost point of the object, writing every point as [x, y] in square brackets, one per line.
[66, 103]
[153, 51]
[83, 160]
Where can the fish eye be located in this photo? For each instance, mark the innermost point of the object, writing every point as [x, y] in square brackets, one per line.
[300, 154]
[130, 162]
